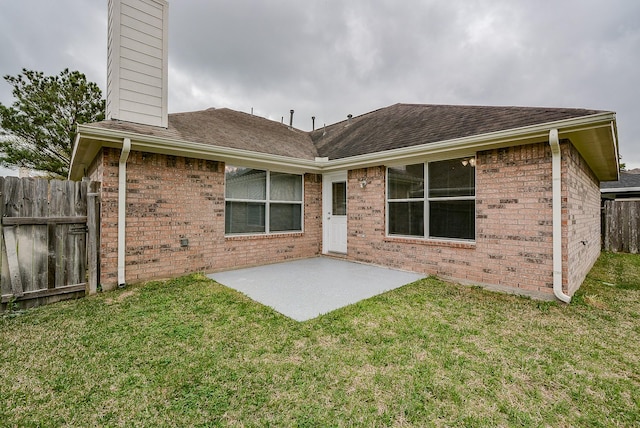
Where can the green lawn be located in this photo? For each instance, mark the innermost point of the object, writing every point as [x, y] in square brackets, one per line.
[189, 352]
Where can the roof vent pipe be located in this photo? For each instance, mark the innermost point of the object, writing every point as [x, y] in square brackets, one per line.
[291, 119]
[313, 123]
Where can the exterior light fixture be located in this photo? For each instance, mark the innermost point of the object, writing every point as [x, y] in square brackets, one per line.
[469, 161]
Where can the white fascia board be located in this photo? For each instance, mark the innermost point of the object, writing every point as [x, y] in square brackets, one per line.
[620, 190]
[468, 145]
[154, 144]
[458, 146]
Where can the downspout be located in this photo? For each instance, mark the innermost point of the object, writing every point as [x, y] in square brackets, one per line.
[122, 208]
[556, 171]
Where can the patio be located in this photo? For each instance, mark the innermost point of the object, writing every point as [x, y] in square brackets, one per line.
[305, 289]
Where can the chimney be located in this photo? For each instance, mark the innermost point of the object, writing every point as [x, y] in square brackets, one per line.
[137, 61]
[349, 116]
[291, 119]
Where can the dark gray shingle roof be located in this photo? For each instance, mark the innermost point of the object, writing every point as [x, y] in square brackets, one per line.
[406, 125]
[393, 127]
[626, 180]
[227, 128]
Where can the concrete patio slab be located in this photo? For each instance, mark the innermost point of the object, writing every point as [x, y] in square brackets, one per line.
[305, 289]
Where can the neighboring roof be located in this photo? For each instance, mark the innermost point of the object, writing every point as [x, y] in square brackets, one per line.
[406, 125]
[626, 180]
[628, 184]
[398, 133]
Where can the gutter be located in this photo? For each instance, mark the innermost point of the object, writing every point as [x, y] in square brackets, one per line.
[122, 209]
[620, 189]
[465, 145]
[556, 165]
[471, 144]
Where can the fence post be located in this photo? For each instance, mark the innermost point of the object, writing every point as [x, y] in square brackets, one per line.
[92, 238]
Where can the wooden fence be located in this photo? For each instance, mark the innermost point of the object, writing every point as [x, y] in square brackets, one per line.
[49, 240]
[621, 226]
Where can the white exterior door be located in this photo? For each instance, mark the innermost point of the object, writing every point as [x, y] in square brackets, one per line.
[334, 213]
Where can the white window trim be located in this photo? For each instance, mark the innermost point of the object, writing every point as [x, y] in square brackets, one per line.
[425, 200]
[267, 205]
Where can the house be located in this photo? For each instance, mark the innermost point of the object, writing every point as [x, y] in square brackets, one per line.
[627, 187]
[506, 197]
[620, 213]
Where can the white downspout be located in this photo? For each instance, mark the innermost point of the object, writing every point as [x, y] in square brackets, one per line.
[122, 208]
[556, 166]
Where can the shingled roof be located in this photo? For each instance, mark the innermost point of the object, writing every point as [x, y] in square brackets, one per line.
[627, 187]
[393, 127]
[238, 137]
[627, 180]
[226, 128]
[406, 125]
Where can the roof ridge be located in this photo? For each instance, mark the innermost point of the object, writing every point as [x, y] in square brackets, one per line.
[519, 107]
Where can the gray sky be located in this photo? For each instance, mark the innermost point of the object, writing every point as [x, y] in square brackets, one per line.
[334, 57]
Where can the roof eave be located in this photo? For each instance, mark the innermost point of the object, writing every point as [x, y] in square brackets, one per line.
[603, 166]
[594, 136]
[85, 152]
[620, 190]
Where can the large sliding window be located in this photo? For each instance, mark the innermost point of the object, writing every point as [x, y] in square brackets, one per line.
[258, 201]
[432, 200]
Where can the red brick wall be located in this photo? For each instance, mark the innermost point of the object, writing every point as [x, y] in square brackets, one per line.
[581, 214]
[514, 231]
[513, 246]
[514, 217]
[174, 198]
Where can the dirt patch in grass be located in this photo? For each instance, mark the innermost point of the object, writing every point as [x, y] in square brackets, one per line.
[120, 297]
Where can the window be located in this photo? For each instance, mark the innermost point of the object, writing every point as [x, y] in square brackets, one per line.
[258, 201]
[445, 210]
[406, 200]
[339, 201]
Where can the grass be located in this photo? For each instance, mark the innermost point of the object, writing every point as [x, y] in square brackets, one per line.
[189, 352]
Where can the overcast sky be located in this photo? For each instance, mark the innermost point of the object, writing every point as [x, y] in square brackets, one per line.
[331, 58]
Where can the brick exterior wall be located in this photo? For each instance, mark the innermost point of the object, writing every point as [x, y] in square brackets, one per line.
[170, 199]
[581, 215]
[513, 247]
[514, 217]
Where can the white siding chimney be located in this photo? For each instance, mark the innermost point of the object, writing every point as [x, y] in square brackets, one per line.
[137, 61]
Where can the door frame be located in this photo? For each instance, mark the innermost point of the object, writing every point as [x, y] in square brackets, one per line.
[327, 204]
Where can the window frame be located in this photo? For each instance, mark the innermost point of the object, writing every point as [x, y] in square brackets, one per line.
[427, 200]
[267, 201]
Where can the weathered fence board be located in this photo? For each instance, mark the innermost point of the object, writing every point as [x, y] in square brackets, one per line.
[44, 247]
[17, 287]
[92, 239]
[621, 226]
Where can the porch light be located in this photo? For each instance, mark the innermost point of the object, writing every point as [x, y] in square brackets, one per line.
[469, 161]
